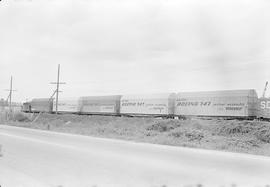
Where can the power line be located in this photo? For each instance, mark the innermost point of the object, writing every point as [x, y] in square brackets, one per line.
[57, 89]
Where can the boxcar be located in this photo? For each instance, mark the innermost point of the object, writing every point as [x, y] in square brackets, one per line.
[150, 104]
[41, 105]
[67, 105]
[231, 103]
[26, 107]
[264, 108]
[100, 105]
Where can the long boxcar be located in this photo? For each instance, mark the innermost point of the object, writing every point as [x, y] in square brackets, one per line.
[100, 105]
[67, 105]
[264, 108]
[150, 104]
[41, 105]
[231, 103]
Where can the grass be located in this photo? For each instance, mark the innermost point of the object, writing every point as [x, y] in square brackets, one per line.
[227, 135]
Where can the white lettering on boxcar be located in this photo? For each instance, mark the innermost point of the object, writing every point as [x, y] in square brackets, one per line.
[265, 104]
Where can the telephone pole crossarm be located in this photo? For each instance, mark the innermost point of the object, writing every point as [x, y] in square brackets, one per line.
[57, 83]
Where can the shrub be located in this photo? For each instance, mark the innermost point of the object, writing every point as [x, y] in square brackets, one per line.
[191, 135]
[236, 128]
[164, 126]
[21, 117]
[263, 134]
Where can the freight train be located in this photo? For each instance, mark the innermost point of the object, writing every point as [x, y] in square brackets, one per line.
[228, 103]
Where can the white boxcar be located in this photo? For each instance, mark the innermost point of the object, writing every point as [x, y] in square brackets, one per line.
[237, 103]
[41, 105]
[264, 108]
[100, 104]
[150, 104]
[67, 105]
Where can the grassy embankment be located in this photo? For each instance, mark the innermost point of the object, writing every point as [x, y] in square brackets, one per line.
[217, 134]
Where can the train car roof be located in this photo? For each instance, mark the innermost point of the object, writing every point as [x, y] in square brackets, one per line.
[40, 99]
[103, 97]
[149, 96]
[220, 93]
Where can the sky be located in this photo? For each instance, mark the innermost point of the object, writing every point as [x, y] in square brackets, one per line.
[133, 46]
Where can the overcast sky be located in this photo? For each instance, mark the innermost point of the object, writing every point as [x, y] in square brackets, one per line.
[133, 46]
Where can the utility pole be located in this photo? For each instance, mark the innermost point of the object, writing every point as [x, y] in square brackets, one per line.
[57, 89]
[265, 88]
[10, 94]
